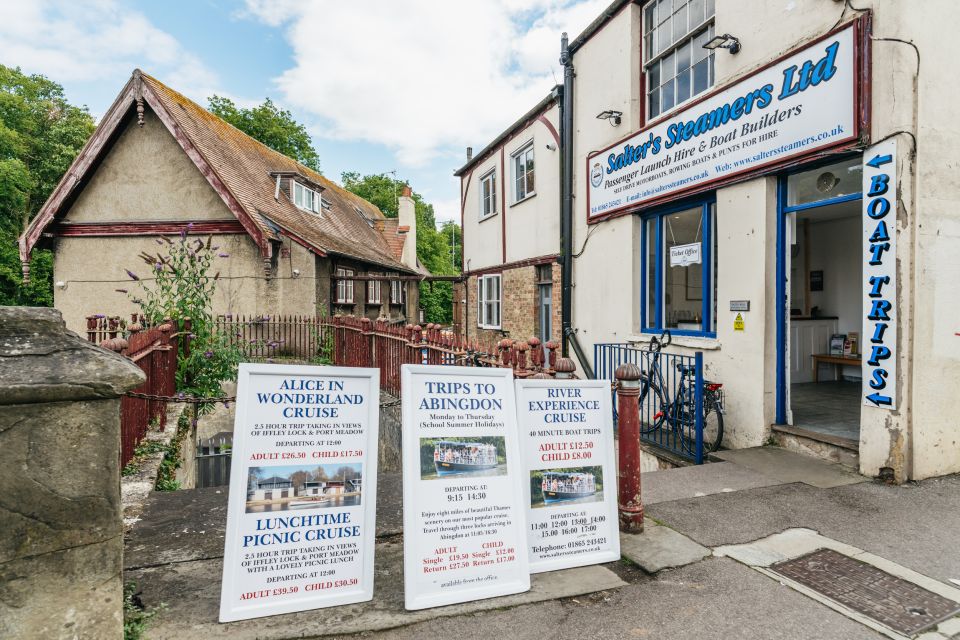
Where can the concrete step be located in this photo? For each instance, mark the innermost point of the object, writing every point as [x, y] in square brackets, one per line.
[818, 445]
[788, 466]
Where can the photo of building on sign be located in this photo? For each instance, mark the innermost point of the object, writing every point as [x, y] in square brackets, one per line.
[294, 487]
[477, 456]
[576, 485]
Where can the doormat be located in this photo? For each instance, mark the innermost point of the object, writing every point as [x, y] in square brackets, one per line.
[893, 602]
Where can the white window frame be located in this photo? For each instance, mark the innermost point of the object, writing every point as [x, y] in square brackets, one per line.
[301, 201]
[695, 33]
[345, 287]
[521, 178]
[373, 290]
[398, 292]
[487, 305]
[491, 177]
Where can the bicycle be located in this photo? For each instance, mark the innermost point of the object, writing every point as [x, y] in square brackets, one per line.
[679, 413]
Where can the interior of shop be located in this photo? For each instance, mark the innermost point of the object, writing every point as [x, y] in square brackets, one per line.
[825, 304]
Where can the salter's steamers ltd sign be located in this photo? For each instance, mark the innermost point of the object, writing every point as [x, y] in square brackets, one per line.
[804, 102]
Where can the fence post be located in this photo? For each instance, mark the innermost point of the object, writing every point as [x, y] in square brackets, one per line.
[628, 409]
[565, 369]
[698, 393]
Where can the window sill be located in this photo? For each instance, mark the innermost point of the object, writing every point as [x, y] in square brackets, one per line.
[480, 326]
[524, 199]
[691, 342]
[489, 217]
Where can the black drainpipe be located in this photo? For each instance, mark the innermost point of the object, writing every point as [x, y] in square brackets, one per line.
[569, 338]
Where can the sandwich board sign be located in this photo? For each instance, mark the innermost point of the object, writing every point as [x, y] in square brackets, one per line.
[570, 475]
[301, 516]
[463, 517]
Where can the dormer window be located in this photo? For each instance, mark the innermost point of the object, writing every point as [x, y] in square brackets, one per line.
[306, 198]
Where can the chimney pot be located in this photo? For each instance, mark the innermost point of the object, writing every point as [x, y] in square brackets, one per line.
[469, 154]
[407, 192]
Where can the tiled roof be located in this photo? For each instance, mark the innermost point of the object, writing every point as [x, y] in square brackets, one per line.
[348, 227]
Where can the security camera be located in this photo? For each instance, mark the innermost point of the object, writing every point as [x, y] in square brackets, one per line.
[552, 147]
[296, 273]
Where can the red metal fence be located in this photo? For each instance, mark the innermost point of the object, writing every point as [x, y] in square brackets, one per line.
[361, 342]
[154, 350]
[263, 337]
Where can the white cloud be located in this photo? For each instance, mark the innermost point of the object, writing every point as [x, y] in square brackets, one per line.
[425, 78]
[73, 42]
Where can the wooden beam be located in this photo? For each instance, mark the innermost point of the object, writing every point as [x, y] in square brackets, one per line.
[159, 228]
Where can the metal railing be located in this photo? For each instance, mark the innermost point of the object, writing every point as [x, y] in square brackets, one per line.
[671, 395]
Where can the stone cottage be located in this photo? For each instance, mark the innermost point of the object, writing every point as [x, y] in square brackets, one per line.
[158, 163]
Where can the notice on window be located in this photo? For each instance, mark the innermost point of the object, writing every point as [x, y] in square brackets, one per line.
[570, 474]
[683, 255]
[463, 515]
[301, 518]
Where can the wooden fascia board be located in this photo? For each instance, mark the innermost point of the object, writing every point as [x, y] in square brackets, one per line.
[208, 172]
[78, 168]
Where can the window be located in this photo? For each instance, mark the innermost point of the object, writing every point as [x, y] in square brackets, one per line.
[676, 64]
[398, 292]
[488, 195]
[842, 179]
[373, 290]
[306, 199]
[679, 278]
[488, 302]
[523, 186]
[345, 287]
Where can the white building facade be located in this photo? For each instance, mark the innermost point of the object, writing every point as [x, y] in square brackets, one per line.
[781, 202]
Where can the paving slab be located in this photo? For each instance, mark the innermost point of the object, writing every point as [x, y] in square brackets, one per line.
[788, 466]
[659, 548]
[190, 592]
[701, 480]
[181, 526]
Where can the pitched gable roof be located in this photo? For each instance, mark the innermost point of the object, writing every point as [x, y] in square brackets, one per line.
[239, 169]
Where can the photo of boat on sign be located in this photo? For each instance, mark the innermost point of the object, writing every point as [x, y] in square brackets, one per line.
[291, 487]
[564, 486]
[478, 456]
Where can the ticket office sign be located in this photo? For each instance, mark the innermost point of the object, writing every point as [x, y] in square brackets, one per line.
[463, 516]
[570, 474]
[301, 517]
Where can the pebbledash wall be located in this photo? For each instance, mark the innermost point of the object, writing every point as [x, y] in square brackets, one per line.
[520, 240]
[905, 97]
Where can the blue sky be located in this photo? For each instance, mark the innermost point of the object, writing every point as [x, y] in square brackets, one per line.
[382, 86]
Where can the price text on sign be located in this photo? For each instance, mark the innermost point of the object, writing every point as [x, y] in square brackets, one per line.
[570, 474]
[463, 517]
[303, 485]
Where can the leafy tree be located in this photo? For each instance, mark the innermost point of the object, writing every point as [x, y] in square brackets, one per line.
[40, 135]
[272, 126]
[438, 250]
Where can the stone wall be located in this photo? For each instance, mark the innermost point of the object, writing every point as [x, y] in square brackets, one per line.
[61, 547]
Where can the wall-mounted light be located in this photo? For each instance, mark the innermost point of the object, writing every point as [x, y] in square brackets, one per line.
[60, 284]
[726, 41]
[614, 117]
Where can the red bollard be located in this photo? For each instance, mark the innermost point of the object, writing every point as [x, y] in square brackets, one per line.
[628, 475]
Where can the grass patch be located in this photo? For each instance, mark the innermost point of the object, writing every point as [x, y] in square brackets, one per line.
[166, 474]
[136, 617]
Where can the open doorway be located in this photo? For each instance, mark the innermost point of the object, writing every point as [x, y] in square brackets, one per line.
[824, 293]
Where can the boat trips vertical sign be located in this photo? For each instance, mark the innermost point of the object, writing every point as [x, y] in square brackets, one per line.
[463, 519]
[570, 475]
[880, 275]
[301, 516]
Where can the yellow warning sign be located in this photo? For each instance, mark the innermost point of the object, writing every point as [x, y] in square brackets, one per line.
[738, 322]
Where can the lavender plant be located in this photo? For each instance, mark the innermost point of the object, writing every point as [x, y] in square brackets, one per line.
[179, 287]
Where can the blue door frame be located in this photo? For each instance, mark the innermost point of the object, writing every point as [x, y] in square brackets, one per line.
[782, 212]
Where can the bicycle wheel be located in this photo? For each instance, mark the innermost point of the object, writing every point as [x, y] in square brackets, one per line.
[712, 427]
[653, 406]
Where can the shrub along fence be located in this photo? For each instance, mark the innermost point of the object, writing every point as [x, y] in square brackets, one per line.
[264, 337]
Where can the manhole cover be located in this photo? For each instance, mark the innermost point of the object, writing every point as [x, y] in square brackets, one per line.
[891, 601]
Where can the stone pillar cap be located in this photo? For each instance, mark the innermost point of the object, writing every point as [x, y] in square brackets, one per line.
[40, 361]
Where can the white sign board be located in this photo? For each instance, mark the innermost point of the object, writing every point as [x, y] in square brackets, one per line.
[463, 515]
[683, 255]
[570, 474]
[799, 104]
[879, 340]
[301, 517]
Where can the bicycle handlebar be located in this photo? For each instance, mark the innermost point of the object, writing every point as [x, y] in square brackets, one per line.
[664, 341]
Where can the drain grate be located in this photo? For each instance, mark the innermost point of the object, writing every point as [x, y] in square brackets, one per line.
[891, 601]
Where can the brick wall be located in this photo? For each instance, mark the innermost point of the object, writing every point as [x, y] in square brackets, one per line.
[519, 309]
